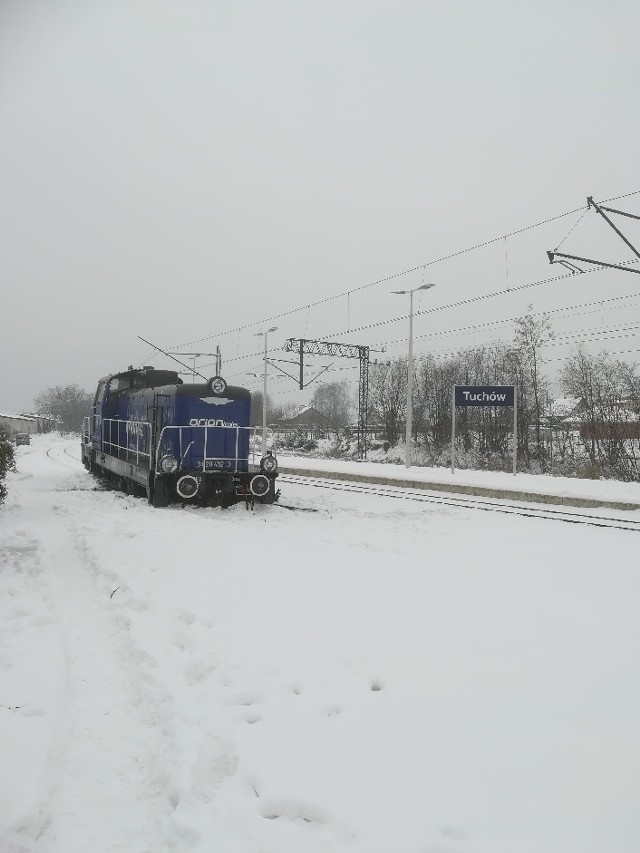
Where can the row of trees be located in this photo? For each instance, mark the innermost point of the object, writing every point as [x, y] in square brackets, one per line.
[487, 430]
[602, 438]
[609, 392]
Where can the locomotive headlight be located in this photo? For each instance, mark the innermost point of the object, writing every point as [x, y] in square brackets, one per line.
[217, 385]
[169, 464]
[269, 464]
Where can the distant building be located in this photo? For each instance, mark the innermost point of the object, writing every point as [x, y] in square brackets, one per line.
[18, 423]
[46, 423]
[13, 423]
[308, 420]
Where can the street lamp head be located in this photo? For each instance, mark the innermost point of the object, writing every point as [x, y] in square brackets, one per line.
[420, 287]
[273, 329]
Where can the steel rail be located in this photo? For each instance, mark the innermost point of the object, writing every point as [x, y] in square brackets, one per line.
[467, 503]
[60, 462]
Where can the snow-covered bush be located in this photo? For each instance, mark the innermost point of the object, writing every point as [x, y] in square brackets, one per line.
[7, 462]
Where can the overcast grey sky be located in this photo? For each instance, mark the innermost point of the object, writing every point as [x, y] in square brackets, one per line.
[178, 168]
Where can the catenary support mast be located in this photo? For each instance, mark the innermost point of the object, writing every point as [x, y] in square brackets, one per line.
[302, 346]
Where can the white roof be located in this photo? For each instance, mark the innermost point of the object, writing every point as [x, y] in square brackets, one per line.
[564, 405]
[17, 417]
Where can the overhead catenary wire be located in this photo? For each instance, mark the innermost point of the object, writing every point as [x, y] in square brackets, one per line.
[566, 340]
[392, 277]
[490, 323]
[572, 229]
[439, 308]
[479, 297]
[473, 327]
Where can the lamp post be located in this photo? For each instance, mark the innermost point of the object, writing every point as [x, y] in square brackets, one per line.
[409, 418]
[264, 389]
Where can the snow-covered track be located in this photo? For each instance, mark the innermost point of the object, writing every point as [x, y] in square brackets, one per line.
[466, 503]
[54, 454]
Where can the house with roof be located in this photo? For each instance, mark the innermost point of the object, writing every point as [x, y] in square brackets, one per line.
[307, 421]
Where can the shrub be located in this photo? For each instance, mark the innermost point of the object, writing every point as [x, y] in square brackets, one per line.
[7, 462]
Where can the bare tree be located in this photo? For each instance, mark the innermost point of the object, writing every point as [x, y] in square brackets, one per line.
[256, 408]
[532, 333]
[387, 396]
[609, 394]
[69, 403]
[333, 399]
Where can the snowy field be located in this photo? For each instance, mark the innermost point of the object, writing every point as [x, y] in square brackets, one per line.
[369, 676]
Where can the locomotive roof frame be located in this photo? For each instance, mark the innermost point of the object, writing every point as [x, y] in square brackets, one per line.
[179, 387]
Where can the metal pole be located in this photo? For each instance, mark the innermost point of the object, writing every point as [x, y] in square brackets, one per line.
[515, 430]
[301, 364]
[409, 418]
[453, 430]
[264, 400]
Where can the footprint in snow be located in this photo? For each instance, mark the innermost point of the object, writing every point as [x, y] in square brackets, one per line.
[197, 672]
[186, 618]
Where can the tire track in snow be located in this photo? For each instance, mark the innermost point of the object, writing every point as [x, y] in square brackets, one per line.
[103, 758]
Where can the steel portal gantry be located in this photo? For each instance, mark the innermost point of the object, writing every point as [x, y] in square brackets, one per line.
[302, 346]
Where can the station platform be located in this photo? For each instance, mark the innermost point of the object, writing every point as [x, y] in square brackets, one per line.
[530, 488]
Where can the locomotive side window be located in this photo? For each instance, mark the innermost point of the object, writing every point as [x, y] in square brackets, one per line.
[100, 394]
[119, 383]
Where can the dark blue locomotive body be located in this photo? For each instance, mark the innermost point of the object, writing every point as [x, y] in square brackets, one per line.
[178, 442]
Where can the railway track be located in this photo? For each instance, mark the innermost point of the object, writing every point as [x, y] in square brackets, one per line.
[397, 493]
[566, 516]
[65, 450]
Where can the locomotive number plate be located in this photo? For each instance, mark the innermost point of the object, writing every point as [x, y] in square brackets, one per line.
[217, 464]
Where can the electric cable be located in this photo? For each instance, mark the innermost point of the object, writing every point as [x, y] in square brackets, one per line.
[393, 276]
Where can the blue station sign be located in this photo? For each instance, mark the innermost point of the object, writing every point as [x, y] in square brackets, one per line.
[484, 395]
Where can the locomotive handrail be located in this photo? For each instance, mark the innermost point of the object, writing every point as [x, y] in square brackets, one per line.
[139, 426]
[204, 429]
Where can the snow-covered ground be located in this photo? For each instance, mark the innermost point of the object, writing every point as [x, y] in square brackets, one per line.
[540, 484]
[369, 676]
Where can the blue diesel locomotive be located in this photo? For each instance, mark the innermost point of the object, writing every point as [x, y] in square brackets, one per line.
[178, 442]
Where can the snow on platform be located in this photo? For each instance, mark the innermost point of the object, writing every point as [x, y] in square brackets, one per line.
[539, 488]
